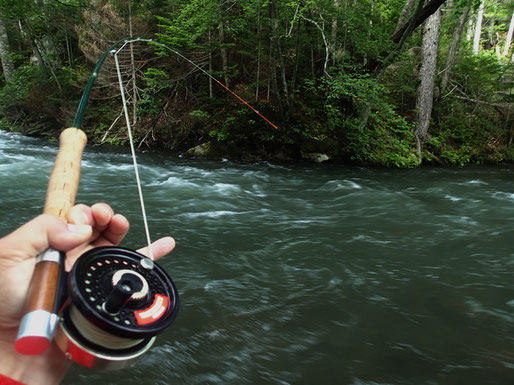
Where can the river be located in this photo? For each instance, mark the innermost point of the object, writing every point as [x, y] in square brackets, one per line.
[307, 274]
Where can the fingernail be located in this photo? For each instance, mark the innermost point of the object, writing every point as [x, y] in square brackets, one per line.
[80, 218]
[79, 229]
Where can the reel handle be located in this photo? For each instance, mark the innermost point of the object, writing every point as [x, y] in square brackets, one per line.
[39, 322]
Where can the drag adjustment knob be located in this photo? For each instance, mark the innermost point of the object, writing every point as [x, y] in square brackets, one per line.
[121, 293]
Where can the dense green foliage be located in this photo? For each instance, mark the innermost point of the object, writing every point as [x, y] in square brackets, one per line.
[326, 72]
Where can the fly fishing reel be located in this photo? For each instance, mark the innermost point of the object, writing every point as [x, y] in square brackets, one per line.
[119, 300]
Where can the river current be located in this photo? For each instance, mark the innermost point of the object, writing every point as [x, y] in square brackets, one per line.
[306, 274]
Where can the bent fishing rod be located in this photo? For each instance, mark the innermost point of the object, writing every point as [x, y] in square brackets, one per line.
[109, 309]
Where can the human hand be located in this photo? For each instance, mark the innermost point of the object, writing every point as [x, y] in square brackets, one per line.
[108, 229]
[88, 227]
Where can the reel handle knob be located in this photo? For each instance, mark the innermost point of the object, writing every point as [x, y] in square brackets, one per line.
[122, 292]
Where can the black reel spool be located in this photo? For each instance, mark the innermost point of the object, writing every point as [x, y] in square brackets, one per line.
[119, 301]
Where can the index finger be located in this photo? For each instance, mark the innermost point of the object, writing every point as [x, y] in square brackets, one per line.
[114, 233]
[81, 215]
[102, 214]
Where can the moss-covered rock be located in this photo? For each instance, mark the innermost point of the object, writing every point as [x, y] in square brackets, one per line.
[315, 157]
[214, 150]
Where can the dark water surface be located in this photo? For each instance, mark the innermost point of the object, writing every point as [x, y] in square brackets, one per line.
[305, 274]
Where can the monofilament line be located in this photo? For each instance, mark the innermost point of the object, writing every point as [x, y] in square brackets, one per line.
[138, 182]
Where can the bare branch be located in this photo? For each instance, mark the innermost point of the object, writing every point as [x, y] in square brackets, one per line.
[327, 51]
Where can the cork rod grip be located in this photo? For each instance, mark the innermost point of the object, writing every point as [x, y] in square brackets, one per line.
[60, 197]
[64, 180]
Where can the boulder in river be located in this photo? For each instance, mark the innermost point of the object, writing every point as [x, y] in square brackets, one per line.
[316, 157]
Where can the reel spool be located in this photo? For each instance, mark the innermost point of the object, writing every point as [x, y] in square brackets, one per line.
[119, 300]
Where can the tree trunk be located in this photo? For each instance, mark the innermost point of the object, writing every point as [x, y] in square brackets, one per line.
[365, 58]
[452, 50]
[270, 69]
[27, 30]
[286, 108]
[379, 71]
[273, 77]
[296, 59]
[469, 32]
[211, 92]
[133, 67]
[333, 37]
[326, 43]
[509, 36]
[272, 59]
[68, 48]
[223, 50]
[492, 37]
[478, 28]
[39, 51]
[259, 30]
[405, 15]
[345, 34]
[427, 73]
[5, 52]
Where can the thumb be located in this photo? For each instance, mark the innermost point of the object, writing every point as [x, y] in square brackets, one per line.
[46, 231]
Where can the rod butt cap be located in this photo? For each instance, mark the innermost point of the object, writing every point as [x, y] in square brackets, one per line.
[32, 345]
[36, 332]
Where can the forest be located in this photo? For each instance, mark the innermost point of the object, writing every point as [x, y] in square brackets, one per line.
[392, 83]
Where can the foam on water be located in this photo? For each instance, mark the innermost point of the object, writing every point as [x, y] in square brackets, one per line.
[225, 188]
[175, 182]
[504, 195]
[211, 214]
[476, 182]
[452, 198]
[336, 185]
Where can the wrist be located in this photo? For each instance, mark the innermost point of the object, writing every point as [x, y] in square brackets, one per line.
[47, 368]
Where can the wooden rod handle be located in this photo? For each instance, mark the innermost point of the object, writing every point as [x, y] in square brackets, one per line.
[34, 337]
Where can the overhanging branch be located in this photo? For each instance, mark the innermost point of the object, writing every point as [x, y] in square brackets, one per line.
[425, 13]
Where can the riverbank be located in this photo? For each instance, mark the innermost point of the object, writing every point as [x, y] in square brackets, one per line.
[323, 123]
[439, 151]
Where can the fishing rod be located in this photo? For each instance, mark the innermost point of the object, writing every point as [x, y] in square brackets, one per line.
[107, 311]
